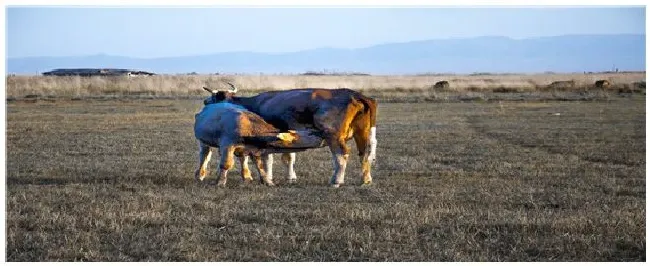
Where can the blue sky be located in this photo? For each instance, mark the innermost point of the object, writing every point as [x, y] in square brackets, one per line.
[176, 31]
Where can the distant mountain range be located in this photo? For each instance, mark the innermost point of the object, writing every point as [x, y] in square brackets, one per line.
[570, 53]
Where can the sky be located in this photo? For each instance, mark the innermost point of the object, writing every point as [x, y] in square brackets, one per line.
[176, 31]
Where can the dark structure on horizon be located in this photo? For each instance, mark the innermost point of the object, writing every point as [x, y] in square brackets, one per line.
[87, 72]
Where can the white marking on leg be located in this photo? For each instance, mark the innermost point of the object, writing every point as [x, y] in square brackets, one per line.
[365, 170]
[223, 177]
[208, 156]
[205, 154]
[268, 166]
[226, 163]
[290, 164]
[244, 160]
[340, 162]
[373, 145]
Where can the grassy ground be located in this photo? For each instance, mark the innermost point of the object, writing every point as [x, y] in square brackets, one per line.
[112, 180]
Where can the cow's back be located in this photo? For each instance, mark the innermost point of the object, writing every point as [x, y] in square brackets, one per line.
[295, 109]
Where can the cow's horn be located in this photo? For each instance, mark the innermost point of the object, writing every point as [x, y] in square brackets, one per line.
[209, 90]
[234, 89]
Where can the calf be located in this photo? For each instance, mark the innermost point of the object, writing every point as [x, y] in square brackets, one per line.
[234, 129]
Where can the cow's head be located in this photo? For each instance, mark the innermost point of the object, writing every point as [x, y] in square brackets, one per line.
[220, 96]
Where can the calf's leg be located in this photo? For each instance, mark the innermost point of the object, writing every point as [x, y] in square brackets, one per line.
[205, 153]
[226, 163]
[264, 166]
[245, 171]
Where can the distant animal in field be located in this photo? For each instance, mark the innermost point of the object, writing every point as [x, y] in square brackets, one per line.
[441, 84]
[566, 84]
[602, 84]
[338, 114]
[233, 129]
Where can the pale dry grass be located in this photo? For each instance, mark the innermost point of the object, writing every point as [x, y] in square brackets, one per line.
[190, 85]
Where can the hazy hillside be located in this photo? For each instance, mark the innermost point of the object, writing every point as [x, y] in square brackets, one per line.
[571, 53]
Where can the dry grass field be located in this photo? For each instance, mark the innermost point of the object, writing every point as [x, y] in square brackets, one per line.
[457, 180]
[190, 85]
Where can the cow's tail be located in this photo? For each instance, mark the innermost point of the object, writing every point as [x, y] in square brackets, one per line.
[370, 109]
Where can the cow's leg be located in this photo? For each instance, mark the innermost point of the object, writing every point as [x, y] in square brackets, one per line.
[335, 125]
[205, 153]
[268, 166]
[245, 171]
[364, 147]
[264, 166]
[340, 157]
[366, 140]
[289, 160]
[226, 163]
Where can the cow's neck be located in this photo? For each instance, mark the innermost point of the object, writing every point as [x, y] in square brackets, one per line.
[247, 102]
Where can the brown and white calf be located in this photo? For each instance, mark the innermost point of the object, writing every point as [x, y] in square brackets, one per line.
[233, 129]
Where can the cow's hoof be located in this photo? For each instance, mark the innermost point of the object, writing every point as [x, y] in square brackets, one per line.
[293, 181]
[198, 178]
[270, 184]
[221, 185]
[248, 181]
[335, 185]
[366, 184]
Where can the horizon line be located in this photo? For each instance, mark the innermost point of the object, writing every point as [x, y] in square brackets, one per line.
[325, 47]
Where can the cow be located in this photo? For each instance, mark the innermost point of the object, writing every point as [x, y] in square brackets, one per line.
[234, 129]
[441, 84]
[602, 84]
[338, 114]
